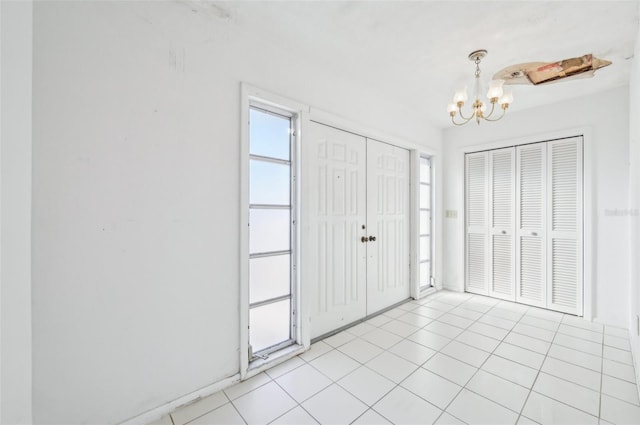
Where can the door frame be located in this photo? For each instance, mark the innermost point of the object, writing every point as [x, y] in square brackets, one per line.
[588, 212]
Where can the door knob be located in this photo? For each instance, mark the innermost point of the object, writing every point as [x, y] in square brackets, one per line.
[363, 239]
[372, 238]
[504, 232]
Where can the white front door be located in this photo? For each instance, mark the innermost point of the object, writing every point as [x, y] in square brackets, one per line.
[387, 225]
[360, 193]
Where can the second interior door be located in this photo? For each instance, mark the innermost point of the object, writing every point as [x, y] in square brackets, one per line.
[360, 223]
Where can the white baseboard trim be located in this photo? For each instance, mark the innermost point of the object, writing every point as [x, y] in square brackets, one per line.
[158, 412]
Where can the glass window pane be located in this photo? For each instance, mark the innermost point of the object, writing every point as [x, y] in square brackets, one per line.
[425, 196]
[269, 325]
[269, 277]
[268, 230]
[269, 135]
[425, 248]
[269, 183]
[425, 170]
[425, 223]
[425, 274]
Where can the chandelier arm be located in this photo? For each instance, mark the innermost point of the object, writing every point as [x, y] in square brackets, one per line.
[465, 118]
[504, 111]
[493, 107]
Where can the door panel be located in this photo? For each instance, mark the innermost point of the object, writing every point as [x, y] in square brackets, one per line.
[564, 249]
[476, 175]
[338, 214]
[502, 223]
[530, 224]
[388, 219]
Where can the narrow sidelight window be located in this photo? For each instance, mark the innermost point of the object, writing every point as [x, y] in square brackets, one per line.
[271, 229]
[426, 228]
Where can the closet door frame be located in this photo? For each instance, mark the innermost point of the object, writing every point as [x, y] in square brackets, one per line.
[588, 205]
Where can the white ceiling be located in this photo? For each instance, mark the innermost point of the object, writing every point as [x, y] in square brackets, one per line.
[415, 53]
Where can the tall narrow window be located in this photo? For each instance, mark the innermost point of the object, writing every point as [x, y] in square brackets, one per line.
[425, 224]
[271, 232]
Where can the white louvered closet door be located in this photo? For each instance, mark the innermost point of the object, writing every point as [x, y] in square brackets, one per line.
[564, 225]
[530, 224]
[476, 262]
[502, 224]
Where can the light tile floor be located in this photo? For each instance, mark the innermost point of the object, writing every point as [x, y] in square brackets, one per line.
[450, 358]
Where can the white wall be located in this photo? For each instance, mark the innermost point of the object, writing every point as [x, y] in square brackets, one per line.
[604, 115]
[136, 195]
[15, 213]
[634, 206]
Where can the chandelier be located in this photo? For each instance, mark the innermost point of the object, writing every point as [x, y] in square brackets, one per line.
[495, 94]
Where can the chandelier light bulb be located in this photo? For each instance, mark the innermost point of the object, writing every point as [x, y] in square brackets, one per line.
[495, 89]
[452, 108]
[507, 97]
[461, 95]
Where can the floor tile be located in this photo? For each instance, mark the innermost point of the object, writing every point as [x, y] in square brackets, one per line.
[378, 320]
[402, 407]
[428, 312]
[615, 331]
[478, 341]
[617, 354]
[366, 385]
[519, 355]
[466, 313]
[224, 415]
[579, 322]
[303, 382]
[429, 339]
[409, 305]
[618, 370]
[523, 420]
[533, 344]
[371, 417]
[488, 330]
[335, 364]
[244, 387]
[296, 416]
[472, 408]
[415, 319]
[450, 368]
[510, 315]
[618, 388]
[478, 306]
[617, 342]
[448, 419]
[540, 323]
[443, 329]
[316, 350]
[438, 305]
[573, 373]
[545, 410]
[285, 367]
[360, 350]
[473, 356]
[453, 320]
[503, 392]
[334, 405]
[339, 339]
[576, 357]
[361, 329]
[382, 338]
[534, 332]
[567, 392]
[399, 328]
[618, 411]
[545, 314]
[431, 387]
[392, 367]
[264, 404]
[193, 410]
[395, 313]
[580, 333]
[412, 351]
[512, 371]
[498, 322]
[579, 344]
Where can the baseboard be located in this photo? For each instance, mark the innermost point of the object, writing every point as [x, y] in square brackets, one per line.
[158, 412]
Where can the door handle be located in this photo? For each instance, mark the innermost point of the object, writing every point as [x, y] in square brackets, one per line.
[372, 238]
[363, 239]
[504, 232]
[534, 233]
